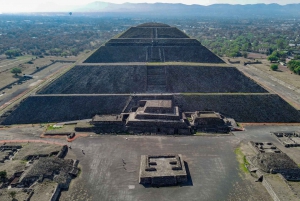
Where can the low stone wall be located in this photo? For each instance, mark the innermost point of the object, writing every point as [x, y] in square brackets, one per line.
[100, 80]
[56, 193]
[209, 79]
[113, 54]
[42, 109]
[197, 53]
[270, 190]
[268, 108]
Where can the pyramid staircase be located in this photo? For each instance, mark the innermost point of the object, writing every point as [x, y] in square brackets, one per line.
[156, 79]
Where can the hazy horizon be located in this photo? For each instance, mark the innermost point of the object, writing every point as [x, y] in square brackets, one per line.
[14, 6]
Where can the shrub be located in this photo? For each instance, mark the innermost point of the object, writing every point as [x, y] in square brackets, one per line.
[274, 67]
[3, 175]
[16, 71]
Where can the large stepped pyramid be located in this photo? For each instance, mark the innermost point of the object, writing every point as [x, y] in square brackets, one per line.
[152, 61]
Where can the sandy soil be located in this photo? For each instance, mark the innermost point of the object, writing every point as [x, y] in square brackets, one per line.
[283, 73]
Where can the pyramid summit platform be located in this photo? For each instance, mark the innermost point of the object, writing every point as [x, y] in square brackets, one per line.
[152, 61]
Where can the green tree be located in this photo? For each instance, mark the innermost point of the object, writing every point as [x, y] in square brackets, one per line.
[13, 53]
[3, 175]
[274, 67]
[273, 58]
[16, 71]
[297, 70]
[294, 66]
[280, 44]
[64, 54]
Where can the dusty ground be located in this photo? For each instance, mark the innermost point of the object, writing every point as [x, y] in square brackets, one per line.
[283, 73]
[5, 195]
[252, 55]
[7, 78]
[35, 149]
[281, 188]
[43, 191]
[12, 166]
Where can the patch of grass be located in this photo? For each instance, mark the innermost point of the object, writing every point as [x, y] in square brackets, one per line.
[23, 161]
[79, 172]
[51, 127]
[241, 158]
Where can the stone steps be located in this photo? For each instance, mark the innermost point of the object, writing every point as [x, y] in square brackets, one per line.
[156, 88]
[155, 70]
[156, 79]
[155, 54]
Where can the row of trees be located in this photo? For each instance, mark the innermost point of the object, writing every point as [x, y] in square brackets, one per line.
[232, 37]
[294, 65]
[278, 56]
[55, 35]
[13, 53]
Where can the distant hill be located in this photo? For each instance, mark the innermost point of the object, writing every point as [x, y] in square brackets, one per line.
[168, 9]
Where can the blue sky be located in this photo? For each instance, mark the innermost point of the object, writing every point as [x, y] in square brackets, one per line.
[48, 5]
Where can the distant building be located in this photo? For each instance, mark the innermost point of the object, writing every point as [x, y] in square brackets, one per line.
[263, 50]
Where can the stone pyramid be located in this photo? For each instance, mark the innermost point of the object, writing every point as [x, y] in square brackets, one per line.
[147, 62]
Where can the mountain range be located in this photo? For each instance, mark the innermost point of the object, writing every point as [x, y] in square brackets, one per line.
[226, 10]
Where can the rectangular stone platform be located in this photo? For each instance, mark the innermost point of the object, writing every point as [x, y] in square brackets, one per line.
[288, 138]
[162, 170]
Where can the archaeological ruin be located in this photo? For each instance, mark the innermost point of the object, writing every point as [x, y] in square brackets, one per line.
[30, 167]
[153, 78]
[162, 117]
[288, 138]
[162, 170]
[270, 159]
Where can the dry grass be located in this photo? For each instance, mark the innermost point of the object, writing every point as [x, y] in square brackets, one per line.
[286, 76]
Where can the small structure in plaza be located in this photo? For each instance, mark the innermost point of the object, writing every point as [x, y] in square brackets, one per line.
[288, 138]
[270, 159]
[162, 170]
[210, 121]
[264, 147]
[158, 116]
